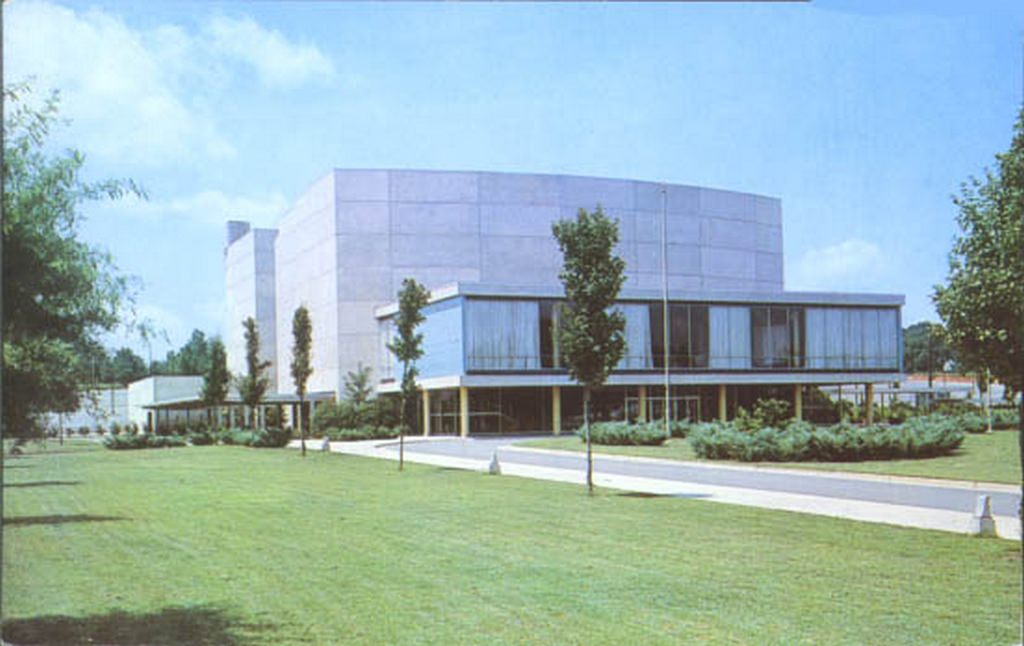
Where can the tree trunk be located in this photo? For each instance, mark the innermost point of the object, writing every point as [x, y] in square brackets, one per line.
[401, 432]
[586, 432]
[302, 427]
[1020, 443]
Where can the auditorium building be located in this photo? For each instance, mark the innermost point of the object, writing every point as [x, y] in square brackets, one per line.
[481, 242]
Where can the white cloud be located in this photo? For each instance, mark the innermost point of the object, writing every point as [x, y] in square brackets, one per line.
[211, 207]
[852, 264]
[147, 97]
[279, 63]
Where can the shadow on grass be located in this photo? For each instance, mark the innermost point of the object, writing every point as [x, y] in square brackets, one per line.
[43, 483]
[16, 466]
[57, 519]
[196, 625]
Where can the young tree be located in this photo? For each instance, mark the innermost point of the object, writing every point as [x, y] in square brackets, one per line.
[302, 333]
[217, 378]
[357, 385]
[982, 303]
[591, 335]
[253, 385]
[407, 348]
[58, 291]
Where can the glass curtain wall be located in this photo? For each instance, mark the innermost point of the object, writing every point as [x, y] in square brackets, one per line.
[852, 338]
[502, 335]
[777, 337]
[509, 410]
[730, 337]
[688, 335]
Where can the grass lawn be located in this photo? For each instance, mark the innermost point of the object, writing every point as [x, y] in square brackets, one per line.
[991, 457]
[231, 546]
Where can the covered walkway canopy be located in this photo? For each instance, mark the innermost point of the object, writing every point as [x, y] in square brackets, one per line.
[166, 410]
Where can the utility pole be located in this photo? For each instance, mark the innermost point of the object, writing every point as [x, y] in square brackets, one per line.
[664, 307]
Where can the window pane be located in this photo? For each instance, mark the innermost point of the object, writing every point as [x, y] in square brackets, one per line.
[699, 336]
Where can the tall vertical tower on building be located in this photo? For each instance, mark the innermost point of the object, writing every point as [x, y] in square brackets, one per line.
[251, 291]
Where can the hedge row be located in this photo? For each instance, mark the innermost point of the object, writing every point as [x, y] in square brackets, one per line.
[367, 432]
[918, 437]
[624, 433]
[263, 438]
[142, 441]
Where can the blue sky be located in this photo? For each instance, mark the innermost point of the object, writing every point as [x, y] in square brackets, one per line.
[862, 117]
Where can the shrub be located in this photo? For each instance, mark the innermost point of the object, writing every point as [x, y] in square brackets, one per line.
[259, 438]
[236, 436]
[1003, 418]
[624, 433]
[382, 412]
[772, 412]
[141, 441]
[202, 437]
[973, 422]
[362, 433]
[271, 438]
[897, 412]
[83, 430]
[954, 407]
[799, 441]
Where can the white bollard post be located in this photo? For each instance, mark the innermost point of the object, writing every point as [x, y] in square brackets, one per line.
[982, 523]
[495, 468]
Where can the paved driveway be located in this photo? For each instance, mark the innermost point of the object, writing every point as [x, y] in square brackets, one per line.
[895, 491]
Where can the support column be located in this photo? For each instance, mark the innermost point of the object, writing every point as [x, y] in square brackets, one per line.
[463, 411]
[723, 401]
[798, 402]
[426, 412]
[556, 409]
[642, 404]
[869, 403]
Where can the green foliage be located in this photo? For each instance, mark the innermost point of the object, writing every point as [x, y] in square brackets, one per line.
[1003, 418]
[407, 345]
[217, 379]
[624, 433]
[346, 414]
[591, 333]
[59, 293]
[799, 441]
[358, 387]
[302, 336]
[982, 303]
[925, 348]
[126, 367]
[301, 366]
[897, 412]
[256, 438]
[193, 358]
[202, 437]
[772, 412]
[253, 385]
[271, 438]
[973, 423]
[142, 441]
[368, 432]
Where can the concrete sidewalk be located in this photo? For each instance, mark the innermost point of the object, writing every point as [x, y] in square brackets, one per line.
[530, 463]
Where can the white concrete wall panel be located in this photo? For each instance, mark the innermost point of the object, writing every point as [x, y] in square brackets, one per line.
[509, 188]
[361, 185]
[434, 186]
